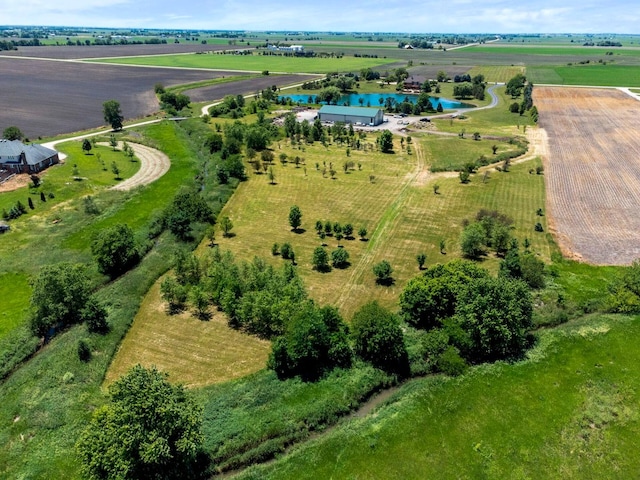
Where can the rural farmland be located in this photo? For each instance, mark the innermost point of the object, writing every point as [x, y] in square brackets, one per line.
[593, 172]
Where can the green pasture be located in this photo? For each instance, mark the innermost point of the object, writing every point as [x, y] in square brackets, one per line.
[597, 75]
[569, 411]
[255, 63]
[578, 50]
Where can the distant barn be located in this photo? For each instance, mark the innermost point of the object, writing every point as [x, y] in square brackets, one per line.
[16, 157]
[353, 115]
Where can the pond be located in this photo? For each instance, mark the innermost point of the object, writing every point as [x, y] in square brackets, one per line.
[374, 100]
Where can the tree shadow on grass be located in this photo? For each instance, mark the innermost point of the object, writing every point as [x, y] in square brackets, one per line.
[298, 231]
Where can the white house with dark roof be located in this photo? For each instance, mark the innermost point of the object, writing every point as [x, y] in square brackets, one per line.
[16, 157]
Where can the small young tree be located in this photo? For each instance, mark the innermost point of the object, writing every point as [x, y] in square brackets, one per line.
[84, 351]
[226, 225]
[86, 146]
[421, 258]
[295, 217]
[113, 142]
[348, 231]
[30, 202]
[286, 251]
[442, 244]
[174, 294]
[94, 315]
[383, 272]
[320, 260]
[340, 258]
[362, 232]
[271, 176]
[115, 170]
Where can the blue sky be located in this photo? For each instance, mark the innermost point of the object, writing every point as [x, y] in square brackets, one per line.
[455, 16]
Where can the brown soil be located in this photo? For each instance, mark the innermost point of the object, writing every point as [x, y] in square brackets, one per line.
[14, 183]
[99, 51]
[592, 172]
[47, 98]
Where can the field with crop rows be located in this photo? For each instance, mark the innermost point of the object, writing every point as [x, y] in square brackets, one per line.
[594, 75]
[593, 172]
[100, 51]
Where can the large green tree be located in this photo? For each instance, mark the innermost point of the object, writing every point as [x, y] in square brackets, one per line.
[115, 249]
[112, 114]
[12, 133]
[149, 430]
[378, 339]
[496, 315]
[430, 298]
[60, 293]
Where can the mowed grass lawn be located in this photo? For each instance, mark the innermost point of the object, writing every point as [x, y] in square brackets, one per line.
[493, 121]
[557, 50]
[597, 75]
[191, 351]
[452, 153]
[399, 209]
[255, 63]
[570, 411]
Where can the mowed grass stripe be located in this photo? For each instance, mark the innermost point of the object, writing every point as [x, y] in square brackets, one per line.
[192, 351]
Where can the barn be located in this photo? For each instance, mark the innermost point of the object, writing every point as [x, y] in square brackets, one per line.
[354, 115]
[16, 157]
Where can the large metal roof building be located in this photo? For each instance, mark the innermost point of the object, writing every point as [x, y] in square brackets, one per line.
[353, 115]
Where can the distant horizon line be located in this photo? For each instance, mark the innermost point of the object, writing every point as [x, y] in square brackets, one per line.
[298, 32]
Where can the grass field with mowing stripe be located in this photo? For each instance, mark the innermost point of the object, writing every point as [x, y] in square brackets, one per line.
[452, 153]
[569, 411]
[402, 215]
[256, 63]
[193, 352]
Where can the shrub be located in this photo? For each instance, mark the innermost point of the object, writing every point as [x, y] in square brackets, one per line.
[340, 258]
[84, 351]
[383, 272]
[378, 339]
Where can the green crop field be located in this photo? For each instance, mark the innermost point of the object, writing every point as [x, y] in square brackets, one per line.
[599, 75]
[557, 51]
[255, 63]
[569, 411]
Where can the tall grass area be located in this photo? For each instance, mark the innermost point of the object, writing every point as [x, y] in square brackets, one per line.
[48, 399]
[568, 411]
[450, 153]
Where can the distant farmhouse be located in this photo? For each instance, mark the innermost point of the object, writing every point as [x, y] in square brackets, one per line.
[353, 115]
[16, 157]
[292, 48]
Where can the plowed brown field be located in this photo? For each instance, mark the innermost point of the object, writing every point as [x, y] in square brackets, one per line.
[592, 172]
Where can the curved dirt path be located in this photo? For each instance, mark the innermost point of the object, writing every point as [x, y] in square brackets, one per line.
[153, 165]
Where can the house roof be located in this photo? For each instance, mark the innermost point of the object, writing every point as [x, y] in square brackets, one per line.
[10, 151]
[351, 111]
